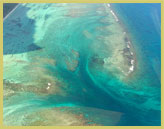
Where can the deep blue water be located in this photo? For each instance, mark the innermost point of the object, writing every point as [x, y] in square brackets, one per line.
[143, 24]
[91, 86]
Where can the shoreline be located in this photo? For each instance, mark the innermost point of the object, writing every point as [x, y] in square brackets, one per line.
[129, 44]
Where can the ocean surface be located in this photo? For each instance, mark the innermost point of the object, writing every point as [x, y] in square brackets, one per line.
[82, 64]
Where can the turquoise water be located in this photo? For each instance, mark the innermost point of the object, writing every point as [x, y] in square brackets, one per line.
[82, 64]
[143, 22]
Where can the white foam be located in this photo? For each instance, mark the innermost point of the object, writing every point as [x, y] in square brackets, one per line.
[49, 84]
[131, 68]
[128, 46]
[48, 87]
[124, 32]
[114, 15]
[131, 53]
[132, 62]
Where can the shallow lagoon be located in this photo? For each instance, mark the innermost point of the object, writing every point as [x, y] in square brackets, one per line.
[75, 64]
